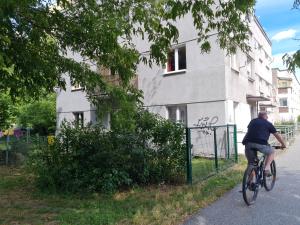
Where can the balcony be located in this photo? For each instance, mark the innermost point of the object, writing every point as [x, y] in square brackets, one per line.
[283, 90]
[283, 109]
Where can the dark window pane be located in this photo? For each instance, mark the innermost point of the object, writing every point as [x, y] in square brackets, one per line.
[181, 58]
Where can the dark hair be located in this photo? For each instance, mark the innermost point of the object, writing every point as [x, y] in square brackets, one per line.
[262, 114]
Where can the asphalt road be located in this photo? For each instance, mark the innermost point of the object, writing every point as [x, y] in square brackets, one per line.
[281, 206]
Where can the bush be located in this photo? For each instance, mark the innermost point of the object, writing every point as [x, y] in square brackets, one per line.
[93, 159]
[285, 122]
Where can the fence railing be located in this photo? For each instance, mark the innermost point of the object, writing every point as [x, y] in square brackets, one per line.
[14, 150]
[210, 150]
[286, 131]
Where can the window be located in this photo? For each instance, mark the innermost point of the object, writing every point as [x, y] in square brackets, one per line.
[233, 61]
[76, 86]
[177, 114]
[266, 55]
[78, 118]
[283, 102]
[176, 60]
[250, 38]
[249, 66]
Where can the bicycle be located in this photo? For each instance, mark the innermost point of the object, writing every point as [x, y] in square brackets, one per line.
[255, 178]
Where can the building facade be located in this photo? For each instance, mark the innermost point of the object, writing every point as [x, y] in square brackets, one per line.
[193, 88]
[211, 89]
[288, 92]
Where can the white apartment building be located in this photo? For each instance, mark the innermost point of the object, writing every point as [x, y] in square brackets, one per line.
[288, 88]
[194, 88]
[210, 89]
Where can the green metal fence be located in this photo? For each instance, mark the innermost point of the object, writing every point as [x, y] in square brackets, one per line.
[210, 150]
[14, 150]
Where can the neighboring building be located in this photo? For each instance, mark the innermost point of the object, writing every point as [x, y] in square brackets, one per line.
[197, 89]
[288, 95]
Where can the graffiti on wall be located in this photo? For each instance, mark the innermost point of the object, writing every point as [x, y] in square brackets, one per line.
[205, 123]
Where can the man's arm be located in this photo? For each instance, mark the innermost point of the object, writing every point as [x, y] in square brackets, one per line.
[279, 138]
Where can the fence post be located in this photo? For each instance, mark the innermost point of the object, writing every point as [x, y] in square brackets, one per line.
[188, 156]
[216, 150]
[235, 142]
[228, 142]
[7, 147]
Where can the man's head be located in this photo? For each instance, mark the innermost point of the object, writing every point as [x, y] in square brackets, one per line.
[263, 115]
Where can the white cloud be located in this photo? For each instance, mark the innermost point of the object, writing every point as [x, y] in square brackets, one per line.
[290, 33]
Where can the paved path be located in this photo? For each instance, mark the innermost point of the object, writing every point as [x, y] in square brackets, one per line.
[281, 206]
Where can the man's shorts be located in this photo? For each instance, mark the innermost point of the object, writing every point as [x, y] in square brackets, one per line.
[252, 154]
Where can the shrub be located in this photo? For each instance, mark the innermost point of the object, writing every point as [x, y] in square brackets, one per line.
[93, 159]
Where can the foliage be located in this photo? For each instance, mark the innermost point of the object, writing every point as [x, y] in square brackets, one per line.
[93, 159]
[293, 61]
[285, 122]
[38, 37]
[5, 111]
[39, 115]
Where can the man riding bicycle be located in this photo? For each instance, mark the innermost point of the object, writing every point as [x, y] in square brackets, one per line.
[257, 137]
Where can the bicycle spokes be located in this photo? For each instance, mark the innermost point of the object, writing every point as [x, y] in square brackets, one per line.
[250, 186]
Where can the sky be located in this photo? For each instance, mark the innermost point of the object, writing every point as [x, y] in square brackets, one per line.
[282, 25]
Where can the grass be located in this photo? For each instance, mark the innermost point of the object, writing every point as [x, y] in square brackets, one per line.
[21, 203]
[203, 168]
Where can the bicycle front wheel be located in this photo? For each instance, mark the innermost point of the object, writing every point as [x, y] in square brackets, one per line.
[269, 181]
[250, 186]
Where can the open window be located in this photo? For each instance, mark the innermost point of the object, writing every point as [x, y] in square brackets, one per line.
[176, 60]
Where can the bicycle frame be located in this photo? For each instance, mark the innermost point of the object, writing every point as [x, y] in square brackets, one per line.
[259, 170]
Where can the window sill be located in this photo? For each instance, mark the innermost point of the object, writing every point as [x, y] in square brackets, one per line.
[235, 70]
[77, 89]
[174, 72]
[251, 79]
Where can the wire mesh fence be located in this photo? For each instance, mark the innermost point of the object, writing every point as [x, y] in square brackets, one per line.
[16, 145]
[210, 150]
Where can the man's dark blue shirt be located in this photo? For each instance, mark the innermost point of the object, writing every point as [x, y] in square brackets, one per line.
[259, 131]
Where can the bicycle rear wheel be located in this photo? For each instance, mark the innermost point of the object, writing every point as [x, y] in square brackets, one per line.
[250, 187]
[269, 181]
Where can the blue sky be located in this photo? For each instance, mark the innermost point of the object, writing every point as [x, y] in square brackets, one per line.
[282, 24]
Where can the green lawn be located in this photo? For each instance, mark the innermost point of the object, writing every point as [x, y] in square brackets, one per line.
[22, 203]
[205, 167]
[2, 146]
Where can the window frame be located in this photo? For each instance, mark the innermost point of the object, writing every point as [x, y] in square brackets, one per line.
[76, 87]
[282, 105]
[79, 118]
[176, 61]
[234, 62]
[179, 118]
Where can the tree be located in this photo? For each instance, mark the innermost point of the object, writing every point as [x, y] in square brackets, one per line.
[7, 110]
[38, 115]
[293, 61]
[36, 37]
